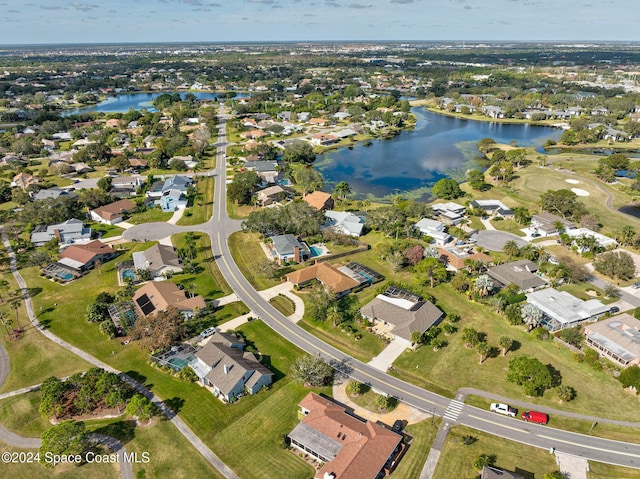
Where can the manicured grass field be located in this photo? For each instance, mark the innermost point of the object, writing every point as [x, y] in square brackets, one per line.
[412, 462]
[598, 470]
[457, 459]
[248, 254]
[20, 414]
[62, 471]
[456, 366]
[239, 212]
[581, 291]
[367, 400]
[152, 215]
[209, 283]
[283, 304]
[106, 231]
[510, 226]
[203, 205]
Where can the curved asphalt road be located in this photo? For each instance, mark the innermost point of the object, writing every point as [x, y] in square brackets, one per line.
[598, 449]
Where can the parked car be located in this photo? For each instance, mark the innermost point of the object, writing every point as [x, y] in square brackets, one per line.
[207, 332]
[614, 309]
[535, 416]
[636, 285]
[503, 409]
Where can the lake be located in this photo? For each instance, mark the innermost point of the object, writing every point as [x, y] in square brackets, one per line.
[121, 103]
[409, 164]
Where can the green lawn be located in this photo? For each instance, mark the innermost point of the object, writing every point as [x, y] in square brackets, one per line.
[209, 282]
[456, 366]
[202, 208]
[283, 304]
[411, 464]
[106, 231]
[20, 414]
[248, 255]
[582, 290]
[475, 223]
[456, 459]
[598, 470]
[510, 226]
[239, 212]
[152, 215]
[367, 400]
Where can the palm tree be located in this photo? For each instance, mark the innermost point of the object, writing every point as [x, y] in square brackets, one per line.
[342, 190]
[334, 315]
[15, 304]
[5, 321]
[4, 286]
[506, 343]
[483, 285]
[483, 350]
[531, 315]
[511, 248]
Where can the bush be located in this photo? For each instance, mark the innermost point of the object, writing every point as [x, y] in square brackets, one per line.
[566, 393]
[630, 377]
[540, 333]
[484, 460]
[355, 388]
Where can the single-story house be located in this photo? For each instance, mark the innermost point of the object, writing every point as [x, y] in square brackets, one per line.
[603, 241]
[157, 296]
[125, 185]
[331, 277]
[53, 194]
[617, 339]
[454, 257]
[24, 180]
[434, 229]
[521, 273]
[161, 260]
[493, 208]
[344, 222]
[450, 213]
[545, 223]
[113, 212]
[405, 315]
[323, 139]
[319, 200]
[223, 365]
[349, 447]
[83, 257]
[70, 232]
[563, 310]
[289, 248]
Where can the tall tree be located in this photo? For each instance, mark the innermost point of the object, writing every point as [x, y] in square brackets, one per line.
[447, 189]
[432, 269]
[67, 438]
[531, 374]
[511, 248]
[342, 190]
[506, 343]
[309, 179]
[483, 285]
[531, 315]
[311, 370]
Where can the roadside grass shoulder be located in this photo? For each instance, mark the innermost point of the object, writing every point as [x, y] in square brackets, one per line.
[209, 282]
[247, 253]
[152, 215]
[598, 470]
[283, 304]
[457, 459]
[202, 209]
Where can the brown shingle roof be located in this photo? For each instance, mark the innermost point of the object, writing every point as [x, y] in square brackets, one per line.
[162, 294]
[83, 253]
[319, 200]
[114, 210]
[366, 446]
[457, 261]
[327, 274]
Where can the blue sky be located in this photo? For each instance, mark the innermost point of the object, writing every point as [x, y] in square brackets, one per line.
[59, 21]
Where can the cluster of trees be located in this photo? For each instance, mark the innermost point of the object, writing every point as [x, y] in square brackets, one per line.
[398, 220]
[447, 189]
[243, 187]
[615, 264]
[534, 377]
[160, 330]
[607, 166]
[83, 393]
[296, 218]
[563, 203]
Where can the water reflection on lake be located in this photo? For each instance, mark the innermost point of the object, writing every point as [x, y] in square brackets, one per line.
[410, 163]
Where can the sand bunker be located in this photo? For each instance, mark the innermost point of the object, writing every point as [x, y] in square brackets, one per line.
[580, 192]
[573, 182]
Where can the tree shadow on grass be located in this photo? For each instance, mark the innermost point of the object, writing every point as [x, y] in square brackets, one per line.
[34, 291]
[136, 376]
[266, 361]
[124, 431]
[175, 403]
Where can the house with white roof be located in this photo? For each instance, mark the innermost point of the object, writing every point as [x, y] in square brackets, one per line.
[563, 310]
[434, 229]
[603, 241]
[450, 212]
[344, 222]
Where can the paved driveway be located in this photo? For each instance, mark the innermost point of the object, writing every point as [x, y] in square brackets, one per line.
[495, 240]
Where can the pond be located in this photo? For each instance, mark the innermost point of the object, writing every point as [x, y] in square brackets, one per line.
[122, 102]
[410, 163]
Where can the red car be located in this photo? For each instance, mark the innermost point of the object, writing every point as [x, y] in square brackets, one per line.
[535, 416]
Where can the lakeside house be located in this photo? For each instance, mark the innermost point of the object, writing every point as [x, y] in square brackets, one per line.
[319, 200]
[435, 230]
[344, 222]
[493, 208]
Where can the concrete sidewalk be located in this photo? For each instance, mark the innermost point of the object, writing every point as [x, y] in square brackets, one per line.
[385, 359]
[573, 466]
[176, 216]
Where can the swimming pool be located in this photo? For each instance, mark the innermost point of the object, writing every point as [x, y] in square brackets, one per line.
[315, 251]
[128, 274]
[65, 276]
[179, 363]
